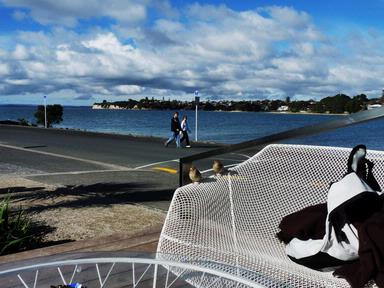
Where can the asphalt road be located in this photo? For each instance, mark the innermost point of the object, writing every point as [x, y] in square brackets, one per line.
[67, 157]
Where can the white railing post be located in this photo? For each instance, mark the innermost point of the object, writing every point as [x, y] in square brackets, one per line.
[155, 276]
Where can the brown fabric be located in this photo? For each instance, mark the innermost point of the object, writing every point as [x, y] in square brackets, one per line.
[371, 254]
[308, 223]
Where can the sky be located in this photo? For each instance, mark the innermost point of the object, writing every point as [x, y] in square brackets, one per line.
[81, 52]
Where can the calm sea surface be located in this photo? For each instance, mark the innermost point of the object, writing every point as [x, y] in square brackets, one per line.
[223, 127]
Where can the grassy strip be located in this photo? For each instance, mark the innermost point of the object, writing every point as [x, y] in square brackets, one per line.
[16, 230]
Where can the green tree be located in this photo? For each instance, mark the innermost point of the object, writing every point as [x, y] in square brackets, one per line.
[318, 107]
[362, 98]
[274, 104]
[357, 103]
[297, 106]
[287, 100]
[336, 104]
[54, 114]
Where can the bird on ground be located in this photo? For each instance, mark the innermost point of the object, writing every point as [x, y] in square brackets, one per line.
[218, 167]
[194, 175]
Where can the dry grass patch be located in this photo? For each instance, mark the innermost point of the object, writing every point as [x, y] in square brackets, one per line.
[98, 221]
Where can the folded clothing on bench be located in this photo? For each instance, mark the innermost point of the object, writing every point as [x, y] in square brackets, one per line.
[369, 265]
[346, 234]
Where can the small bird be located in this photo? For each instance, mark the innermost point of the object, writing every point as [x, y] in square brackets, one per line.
[194, 175]
[218, 167]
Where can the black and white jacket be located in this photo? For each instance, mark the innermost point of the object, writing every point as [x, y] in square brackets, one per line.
[340, 242]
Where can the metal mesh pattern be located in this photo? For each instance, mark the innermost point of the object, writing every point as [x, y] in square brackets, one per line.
[233, 219]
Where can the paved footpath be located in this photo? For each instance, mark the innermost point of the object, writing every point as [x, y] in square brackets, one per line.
[50, 158]
[56, 156]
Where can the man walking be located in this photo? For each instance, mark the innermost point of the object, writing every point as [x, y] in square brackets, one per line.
[175, 129]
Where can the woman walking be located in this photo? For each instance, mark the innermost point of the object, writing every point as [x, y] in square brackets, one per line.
[185, 129]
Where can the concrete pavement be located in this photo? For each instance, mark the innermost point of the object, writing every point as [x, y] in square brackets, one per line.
[71, 157]
[33, 158]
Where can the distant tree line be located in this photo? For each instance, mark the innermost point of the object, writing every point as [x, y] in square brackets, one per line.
[339, 103]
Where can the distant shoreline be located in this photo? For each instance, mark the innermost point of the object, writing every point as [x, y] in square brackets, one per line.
[337, 105]
[286, 112]
[233, 111]
[148, 109]
[310, 113]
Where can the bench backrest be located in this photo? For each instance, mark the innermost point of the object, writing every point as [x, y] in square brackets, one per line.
[234, 219]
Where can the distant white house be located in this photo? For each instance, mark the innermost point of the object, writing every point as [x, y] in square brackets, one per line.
[115, 107]
[283, 108]
[112, 106]
[373, 106]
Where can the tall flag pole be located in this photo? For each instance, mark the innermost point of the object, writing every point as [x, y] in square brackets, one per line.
[45, 111]
[197, 100]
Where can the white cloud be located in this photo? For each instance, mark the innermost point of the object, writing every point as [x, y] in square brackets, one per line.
[168, 26]
[4, 69]
[129, 89]
[18, 81]
[68, 12]
[107, 43]
[271, 52]
[19, 15]
[288, 16]
[20, 53]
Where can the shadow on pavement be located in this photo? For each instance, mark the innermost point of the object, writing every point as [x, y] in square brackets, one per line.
[100, 194]
[17, 189]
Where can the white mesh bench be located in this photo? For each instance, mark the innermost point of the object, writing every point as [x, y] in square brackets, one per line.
[233, 219]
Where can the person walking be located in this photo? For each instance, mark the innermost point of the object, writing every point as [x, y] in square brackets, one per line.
[175, 129]
[185, 129]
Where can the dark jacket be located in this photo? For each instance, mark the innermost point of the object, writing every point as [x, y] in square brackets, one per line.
[175, 125]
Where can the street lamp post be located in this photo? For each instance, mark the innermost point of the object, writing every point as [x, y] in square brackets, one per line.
[45, 111]
[197, 99]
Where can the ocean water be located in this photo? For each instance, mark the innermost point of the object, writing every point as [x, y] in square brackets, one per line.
[221, 127]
